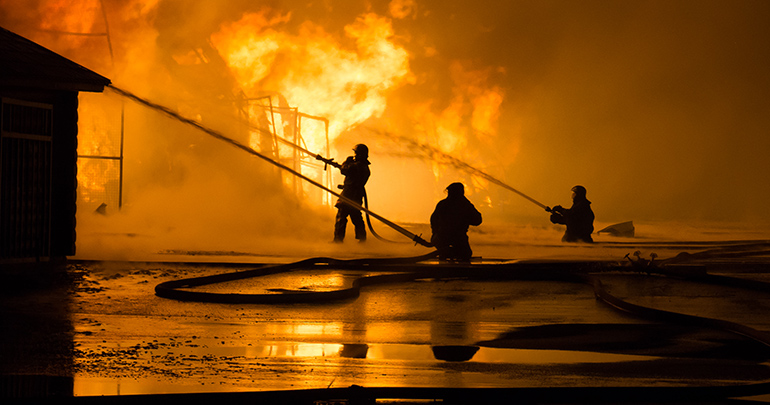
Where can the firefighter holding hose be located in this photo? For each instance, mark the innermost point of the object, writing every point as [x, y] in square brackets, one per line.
[356, 171]
[579, 218]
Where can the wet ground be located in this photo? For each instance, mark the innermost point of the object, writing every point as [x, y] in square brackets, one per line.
[93, 328]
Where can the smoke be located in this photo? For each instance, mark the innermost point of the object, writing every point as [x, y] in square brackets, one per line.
[658, 108]
[653, 106]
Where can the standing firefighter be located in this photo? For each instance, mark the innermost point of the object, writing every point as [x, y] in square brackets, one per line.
[449, 224]
[579, 218]
[356, 172]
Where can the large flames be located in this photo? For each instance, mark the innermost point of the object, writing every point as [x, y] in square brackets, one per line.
[471, 116]
[312, 70]
[344, 77]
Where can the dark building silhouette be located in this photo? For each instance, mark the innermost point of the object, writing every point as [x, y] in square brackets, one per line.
[38, 148]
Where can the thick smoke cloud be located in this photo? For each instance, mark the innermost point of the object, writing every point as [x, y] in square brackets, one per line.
[659, 108]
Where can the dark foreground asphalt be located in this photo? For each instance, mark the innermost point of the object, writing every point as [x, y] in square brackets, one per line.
[96, 331]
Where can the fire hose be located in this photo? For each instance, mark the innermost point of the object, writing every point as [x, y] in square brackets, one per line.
[173, 114]
[172, 289]
[369, 222]
[331, 162]
[416, 238]
[404, 270]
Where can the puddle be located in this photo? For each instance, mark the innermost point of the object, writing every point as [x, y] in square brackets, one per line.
[211, 366]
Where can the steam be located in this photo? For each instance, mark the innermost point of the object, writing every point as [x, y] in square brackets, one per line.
[659, 109]
[433, 154]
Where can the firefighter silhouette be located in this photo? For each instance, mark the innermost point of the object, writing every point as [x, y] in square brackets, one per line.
[449, 224]
[579, 218]
[356, 172]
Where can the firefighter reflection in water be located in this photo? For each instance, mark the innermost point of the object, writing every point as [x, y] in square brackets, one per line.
[356, 172]
[579, 218]
[449, 224]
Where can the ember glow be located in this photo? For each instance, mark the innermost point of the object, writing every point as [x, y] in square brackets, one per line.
[657, 108]
[312, 70]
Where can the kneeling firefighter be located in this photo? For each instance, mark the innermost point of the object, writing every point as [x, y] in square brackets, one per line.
[449, 224]
[356, 172]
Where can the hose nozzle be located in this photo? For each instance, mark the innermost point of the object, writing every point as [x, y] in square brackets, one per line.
[328, 161]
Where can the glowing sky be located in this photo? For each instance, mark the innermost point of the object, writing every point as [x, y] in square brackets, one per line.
[659, 108]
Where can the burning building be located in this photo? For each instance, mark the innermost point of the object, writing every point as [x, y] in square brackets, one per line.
[540, 95]
[38, 148]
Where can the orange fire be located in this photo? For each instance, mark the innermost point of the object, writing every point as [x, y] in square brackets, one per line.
[471, 116]
[313, 70]
[318, 75]
[77, 30]
[299, 67]
[70, 16]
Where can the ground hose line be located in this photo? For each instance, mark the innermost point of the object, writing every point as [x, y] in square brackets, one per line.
[369, 222]
[568, 272]
[672, 317]
[175, 289]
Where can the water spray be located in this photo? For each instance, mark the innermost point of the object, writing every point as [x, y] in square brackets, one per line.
[433, 152]
[173, 114]
[330, 162]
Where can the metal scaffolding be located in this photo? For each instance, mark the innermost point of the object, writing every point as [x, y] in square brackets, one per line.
[287, 144]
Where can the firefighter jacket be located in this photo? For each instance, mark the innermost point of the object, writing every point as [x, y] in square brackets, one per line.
[579, 220]
[356, 172]
[451, 219]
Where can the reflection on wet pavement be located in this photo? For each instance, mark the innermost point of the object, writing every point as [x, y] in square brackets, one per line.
[300, 364]
[424, 333]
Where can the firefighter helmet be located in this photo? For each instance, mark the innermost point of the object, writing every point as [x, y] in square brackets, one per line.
[361, 150]
[455, 189]
[579, 190]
